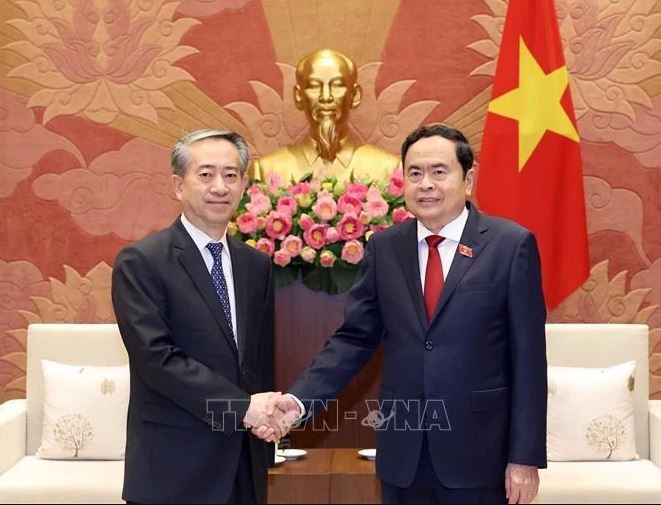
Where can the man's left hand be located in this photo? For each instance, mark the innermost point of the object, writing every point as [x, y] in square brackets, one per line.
[521, 483]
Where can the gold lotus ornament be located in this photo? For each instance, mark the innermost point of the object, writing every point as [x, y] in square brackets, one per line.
[101, 58]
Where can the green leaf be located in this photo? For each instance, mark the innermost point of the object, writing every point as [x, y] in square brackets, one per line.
[333, 281]
[285, 275]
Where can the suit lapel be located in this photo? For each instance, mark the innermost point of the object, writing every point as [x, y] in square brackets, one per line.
[407, 253]
[240, 271]
[472, 237]
[192, 261]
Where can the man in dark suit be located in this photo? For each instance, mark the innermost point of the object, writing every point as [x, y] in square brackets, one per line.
[455, 297]
[195, 310]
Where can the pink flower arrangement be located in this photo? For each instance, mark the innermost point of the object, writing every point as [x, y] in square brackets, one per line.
[327, 259]
[267, 246]
[278, 225]
[308, 254]
[282, 258]
[293, 245]
[350, 227]
[315, 236]
[396, 184]
[318, 224]
[332, 235]
[353, 252]
[287, 205]
[326, 207]
[247, 223]
[348, 204]
[400, 214]
[260, 204]
[357, 190]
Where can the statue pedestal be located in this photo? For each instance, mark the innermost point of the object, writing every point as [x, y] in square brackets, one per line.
[304, 320]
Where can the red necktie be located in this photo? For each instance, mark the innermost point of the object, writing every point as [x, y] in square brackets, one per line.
[434, 276]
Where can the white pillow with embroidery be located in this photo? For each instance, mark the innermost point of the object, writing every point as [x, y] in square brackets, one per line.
[84, 411]
[591, 413]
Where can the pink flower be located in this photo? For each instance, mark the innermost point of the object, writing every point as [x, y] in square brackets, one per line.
[365, 218]
[350, 227]
[325, 208]
[261, 223]
[278, 225]
[349, 204]
[282, 258]
[247, 223]
[376, 208]
[273, 182]
[332, 235]
[287, 205]
[259, 204]
[267, 246]
[308, 254]
[254, 190]
[396, 186]
[353, 252]
[302, 188]
[305, 222]
[400, 214]
[315, 185]
[315, 236]
[293, 245]
[378, 227]
[357, 190]
[327, 259]
[374, 194]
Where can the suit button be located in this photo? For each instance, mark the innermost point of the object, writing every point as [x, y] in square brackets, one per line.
[429, 345]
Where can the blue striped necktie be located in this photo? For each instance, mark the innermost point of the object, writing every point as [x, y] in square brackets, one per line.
[219, 282]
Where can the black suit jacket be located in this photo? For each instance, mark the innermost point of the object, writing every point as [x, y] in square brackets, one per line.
[474, 379]
[190, 386]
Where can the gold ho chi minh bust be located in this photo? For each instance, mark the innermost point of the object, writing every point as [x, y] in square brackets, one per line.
[326, 90]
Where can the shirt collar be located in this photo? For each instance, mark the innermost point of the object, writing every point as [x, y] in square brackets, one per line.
[347, 148]
[451, 231]
[200, 238]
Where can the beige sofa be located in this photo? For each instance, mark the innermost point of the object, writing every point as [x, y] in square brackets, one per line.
[25, 479]
[599, 345]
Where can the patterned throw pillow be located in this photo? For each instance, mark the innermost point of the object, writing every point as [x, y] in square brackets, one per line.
[85, 409]
[591, 413]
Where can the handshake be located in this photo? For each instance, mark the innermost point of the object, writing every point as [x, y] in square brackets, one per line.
[272, 415]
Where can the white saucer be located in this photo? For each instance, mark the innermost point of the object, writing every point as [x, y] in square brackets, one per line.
[279, 460]
[368, 454]
[292, 454]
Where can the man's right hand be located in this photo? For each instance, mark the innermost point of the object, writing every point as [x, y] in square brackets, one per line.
[284, 412]
[261, 410]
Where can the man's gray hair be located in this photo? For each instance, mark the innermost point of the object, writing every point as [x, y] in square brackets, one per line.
[179, 159]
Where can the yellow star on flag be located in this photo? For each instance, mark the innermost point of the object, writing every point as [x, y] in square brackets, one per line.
[535, 104]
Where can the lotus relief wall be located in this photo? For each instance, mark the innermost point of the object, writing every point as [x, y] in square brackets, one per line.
[94, 92]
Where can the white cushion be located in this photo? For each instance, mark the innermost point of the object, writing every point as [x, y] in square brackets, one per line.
[84, 412]
[73, 344]
[600, 482]
[34, 480]
[591, 413]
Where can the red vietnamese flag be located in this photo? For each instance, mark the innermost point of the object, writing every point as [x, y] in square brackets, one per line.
[530, 164]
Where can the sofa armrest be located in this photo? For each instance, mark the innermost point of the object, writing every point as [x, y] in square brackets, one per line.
[655, 432]
[13, 433]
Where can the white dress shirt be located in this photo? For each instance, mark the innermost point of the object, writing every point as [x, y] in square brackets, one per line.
[447, 249]
[201, 240]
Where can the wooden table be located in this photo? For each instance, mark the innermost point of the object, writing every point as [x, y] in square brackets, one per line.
[325, 476]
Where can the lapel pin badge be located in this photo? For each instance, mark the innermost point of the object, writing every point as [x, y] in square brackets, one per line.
[465, 250]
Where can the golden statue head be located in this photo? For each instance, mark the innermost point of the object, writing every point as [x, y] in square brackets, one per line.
[326, 90]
